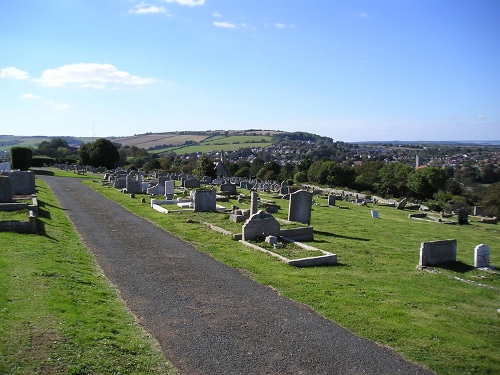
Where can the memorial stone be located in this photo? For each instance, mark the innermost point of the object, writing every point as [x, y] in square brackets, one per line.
[204, 200]
[481, 256]
[300, 206]
[5, 190]
[331, 200]
[253, 203]
[433, 253]
[259, 226]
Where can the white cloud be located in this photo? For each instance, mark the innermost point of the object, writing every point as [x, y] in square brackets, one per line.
[280, 25]
[227, 25]
[97, 76]
[189, 3]
[144, 8]
[216, 15]
[12, 72]
[30, 96]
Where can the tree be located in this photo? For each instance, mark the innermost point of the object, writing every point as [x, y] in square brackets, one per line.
[101, 153]
[367, 175]
[491, 200]
[426, 182]
[393, 178]
[489, 174]
[205, 167]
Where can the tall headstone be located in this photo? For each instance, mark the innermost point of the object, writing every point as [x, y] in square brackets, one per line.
[401, 205]
[284, 188]
[375, 214]
[254, 204]
[331, 200]
[481, 256]
[169, 189]
[478, 211]
[5, 190]
[204, 200]
[299, 208]
[462, 217]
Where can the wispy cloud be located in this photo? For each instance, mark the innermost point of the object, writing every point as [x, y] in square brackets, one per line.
[216, 15]
[97, 76]
[29, 96]
[226, 25]
[144, 8]
[363, 15]
[189, 3]
[12, 72]
[281, 26]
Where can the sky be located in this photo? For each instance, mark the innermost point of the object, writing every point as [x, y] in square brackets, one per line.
[351, 70]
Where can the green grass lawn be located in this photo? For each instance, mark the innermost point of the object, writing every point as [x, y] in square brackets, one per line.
[59, 314]
[446, 319]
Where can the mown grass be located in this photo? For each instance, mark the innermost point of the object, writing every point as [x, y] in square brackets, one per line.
[221, 143]
[59, 314]
[430, 317]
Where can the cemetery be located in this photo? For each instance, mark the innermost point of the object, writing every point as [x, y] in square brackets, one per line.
[373, 249]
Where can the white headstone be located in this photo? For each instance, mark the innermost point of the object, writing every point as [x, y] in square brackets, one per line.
[375, 214]
[481, 256]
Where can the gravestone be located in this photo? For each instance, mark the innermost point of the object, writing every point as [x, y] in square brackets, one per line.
[434, 253]
[259, 226]
[299, 208]
[192, 183]
[133, 183]
[401, 205]
[284, 188]
[375, 214]
[5, 190]
[331, 200]
[22, 182]
[169, 189]
[481, 256]
[478, 211]
[462, 217]
[204, 200]
[253, 203]
[228, 188]
[120, 183]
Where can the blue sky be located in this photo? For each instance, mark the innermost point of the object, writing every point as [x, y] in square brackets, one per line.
[350, 70]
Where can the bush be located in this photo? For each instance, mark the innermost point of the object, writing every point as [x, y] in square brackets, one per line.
[21, 158]
[40, 161]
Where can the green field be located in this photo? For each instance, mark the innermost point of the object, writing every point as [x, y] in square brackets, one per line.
[221, 143]
[446, 319]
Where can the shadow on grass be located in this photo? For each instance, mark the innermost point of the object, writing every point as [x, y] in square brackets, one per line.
[328, 234]
[43, 172]
[457, 266]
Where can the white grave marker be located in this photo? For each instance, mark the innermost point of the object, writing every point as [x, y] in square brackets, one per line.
[481, 256]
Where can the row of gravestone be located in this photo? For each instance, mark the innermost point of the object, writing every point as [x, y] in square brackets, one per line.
[435, 253]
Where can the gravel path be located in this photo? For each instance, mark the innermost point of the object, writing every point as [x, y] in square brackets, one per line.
[207, 317]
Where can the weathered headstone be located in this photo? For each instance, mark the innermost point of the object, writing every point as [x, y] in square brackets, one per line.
[204, 200]
[401, 205]
[331, 200]
[300, 206]
[5, 190]
[433, 253]
[478, 211]
[191, 183]
[253, 202]
[375, 214]
[481, 256]
[133, 183]
[259, 226]
[462, 217]
[169, 189]
[284, 188]
[228, 188]
[22, 182]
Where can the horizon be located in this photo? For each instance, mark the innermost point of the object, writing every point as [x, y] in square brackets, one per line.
[347, 70]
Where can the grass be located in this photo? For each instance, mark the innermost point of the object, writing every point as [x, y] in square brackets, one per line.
[221, 143]
[430, 317]
[59, 314]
